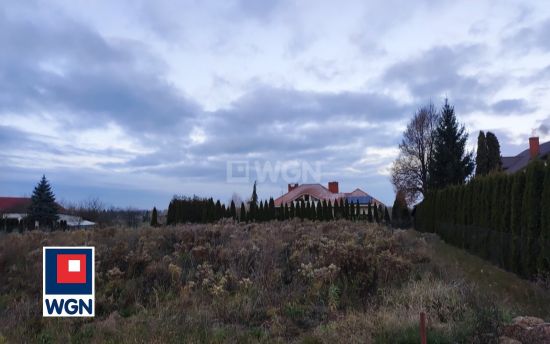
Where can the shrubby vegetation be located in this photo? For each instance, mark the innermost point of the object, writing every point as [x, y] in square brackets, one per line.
[500, 217]
[311, 282]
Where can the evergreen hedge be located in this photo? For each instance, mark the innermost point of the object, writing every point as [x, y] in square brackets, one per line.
[500, 217]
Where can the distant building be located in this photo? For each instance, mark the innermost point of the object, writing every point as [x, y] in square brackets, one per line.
[512, 164]
[316, 192]
[15, 208]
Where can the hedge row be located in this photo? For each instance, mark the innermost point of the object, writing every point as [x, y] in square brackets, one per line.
[503, 218]
[199, 210]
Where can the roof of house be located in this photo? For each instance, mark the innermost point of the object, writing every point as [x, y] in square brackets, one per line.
[516, 163]
[321, 192]
[17, 204]
[14, 204]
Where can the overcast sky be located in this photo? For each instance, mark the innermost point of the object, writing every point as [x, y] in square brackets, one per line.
[135, 101]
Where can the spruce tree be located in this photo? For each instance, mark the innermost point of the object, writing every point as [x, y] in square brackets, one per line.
[482, 160]
[375, 214]
[320, 215]
[43, 207]
[154, 219]
[292, 210]
[494, 162]
[450, 164]
[330, 211]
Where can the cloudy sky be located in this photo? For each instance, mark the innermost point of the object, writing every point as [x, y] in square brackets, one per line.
[135, 101]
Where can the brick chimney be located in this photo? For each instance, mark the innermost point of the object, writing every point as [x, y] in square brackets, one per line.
[292, 186]
[333, 187]
[534, 147]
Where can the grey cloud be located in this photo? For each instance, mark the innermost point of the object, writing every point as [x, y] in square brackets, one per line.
[509, 106]
[529, 37]
[64, 67]
[436, 73]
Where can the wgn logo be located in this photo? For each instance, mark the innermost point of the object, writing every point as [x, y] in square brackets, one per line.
[68, 286]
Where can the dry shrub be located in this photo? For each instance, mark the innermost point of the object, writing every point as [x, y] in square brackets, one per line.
[232, 282]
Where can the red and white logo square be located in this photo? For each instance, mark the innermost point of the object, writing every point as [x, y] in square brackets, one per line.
[71, 268]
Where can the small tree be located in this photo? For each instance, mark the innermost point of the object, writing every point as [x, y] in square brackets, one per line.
[154, 220]
[376, 216]
[43, 207]
[369, 213]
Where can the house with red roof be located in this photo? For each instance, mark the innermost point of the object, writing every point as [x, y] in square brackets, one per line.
[16, 208]
[513, 164]
[314, 193]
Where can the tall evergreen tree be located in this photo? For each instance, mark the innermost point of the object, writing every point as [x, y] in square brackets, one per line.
[369, 213]
[292, 210]
[450, 164]
[272, 211]
[286, 213]
[43, 207]
[494, 162]
[233, 210]
[253, 204]
[482, 159]
[154, 217]
[320, 215]
[243, 218]
[375, 214]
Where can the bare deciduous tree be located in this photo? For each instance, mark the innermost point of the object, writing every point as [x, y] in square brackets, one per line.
[410, 170]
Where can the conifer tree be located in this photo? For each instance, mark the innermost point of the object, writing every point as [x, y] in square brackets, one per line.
[450, 164]
[286, 213]
[43, 207]
[320, 215]
[272, 211]
[253, 204]
[369, 213]
[387, 219]
[292, 210]
[482, 160]
[154, 219]
[233, 210]
[494, 160]
[243, 218]
[375, 214]
[346, 209]
[329, 213]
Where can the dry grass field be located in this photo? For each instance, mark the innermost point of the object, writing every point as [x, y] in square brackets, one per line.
[305, 282]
